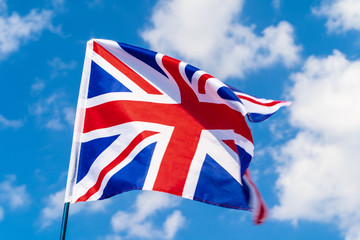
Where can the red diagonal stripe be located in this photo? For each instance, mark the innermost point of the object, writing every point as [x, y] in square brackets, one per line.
[269, 104]
[231, 144]
[127, 71]
[202, 82]
[94, 189]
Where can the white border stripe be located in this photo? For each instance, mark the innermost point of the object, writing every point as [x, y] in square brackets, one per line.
[162, 143]
[127, 132]
[211, 143]
[79, 123]
[146, 142]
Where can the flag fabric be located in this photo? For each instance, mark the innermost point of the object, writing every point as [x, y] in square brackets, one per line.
[147, 121]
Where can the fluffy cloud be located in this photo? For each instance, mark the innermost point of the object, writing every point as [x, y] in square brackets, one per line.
[54, 205]
[53, 112]
[3, 6]
[342, 15]
[276, 4]
[110, 237]
[12, 196]
[1, 214]
[53, 208]
[319, 167]
[6, 123]
[209, 35]
[16, 29]
[60, 68]
[37, 86]
[139, 224]
[58, 5]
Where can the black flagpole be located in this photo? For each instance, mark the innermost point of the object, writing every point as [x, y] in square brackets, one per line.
[64, 220]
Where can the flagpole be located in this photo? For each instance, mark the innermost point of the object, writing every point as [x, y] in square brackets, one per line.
[64, 220]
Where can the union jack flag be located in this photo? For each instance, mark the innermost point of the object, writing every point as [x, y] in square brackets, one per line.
[146, 121]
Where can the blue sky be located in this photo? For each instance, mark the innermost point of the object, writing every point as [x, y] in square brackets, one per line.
[306, 159]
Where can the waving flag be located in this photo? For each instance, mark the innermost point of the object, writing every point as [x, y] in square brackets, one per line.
[146, 121]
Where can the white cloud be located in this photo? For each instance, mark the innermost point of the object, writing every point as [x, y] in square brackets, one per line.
[319, 167]
[327, 96]
[52, 211]
[94, 3]
[60, 68]
[12, 196]
[111, 237]
[276, 4]
[3, 6]
[58, 5]
[37, 86]
[342, 15]
[16, 30]
[69, 115]
[209, 35]
[54, 205]
[55, 124]
[6, 123]
[53, 112]
[173, 223]
[139, 223]
[1, 214]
